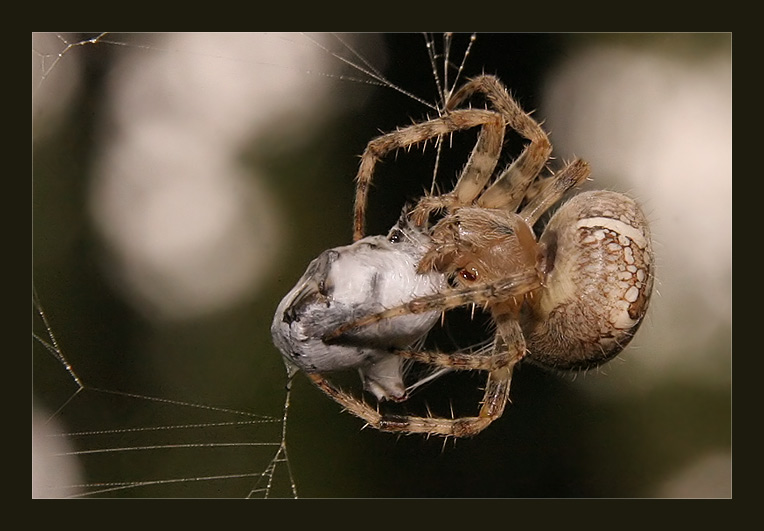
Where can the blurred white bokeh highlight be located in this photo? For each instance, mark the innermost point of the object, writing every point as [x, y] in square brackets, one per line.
[55, 474]
[190, 230]
[659, 127]
[709, 476]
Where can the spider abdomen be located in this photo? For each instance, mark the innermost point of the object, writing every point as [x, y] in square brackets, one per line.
[598, 280]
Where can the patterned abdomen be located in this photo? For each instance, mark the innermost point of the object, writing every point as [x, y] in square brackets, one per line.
[599, 277]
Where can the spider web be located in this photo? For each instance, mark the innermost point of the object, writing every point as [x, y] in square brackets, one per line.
[261, 446]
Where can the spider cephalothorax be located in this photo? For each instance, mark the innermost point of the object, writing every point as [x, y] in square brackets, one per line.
[570, 300]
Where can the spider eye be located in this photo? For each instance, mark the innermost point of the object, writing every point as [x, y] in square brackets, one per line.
[396, 236]
[470, 275]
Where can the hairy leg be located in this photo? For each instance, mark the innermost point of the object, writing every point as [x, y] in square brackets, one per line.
[516, 286]
[509, 188]
[569, 177]
[494, 401]
[414, 134]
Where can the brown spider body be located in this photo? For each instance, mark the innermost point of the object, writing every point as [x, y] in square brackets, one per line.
[479, 245]
[570, 300]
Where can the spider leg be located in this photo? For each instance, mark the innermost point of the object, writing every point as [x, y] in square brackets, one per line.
[515, 286]
[490, 141]
[459, 361]
[474, 176]
[482, 162]
[509, 188]
[429, 204]
[506, 350]
[495, 398]
[570, 176]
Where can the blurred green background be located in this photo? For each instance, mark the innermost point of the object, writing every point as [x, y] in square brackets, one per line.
[656, 422]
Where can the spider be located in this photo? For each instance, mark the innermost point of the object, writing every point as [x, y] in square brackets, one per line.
[572, 299]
